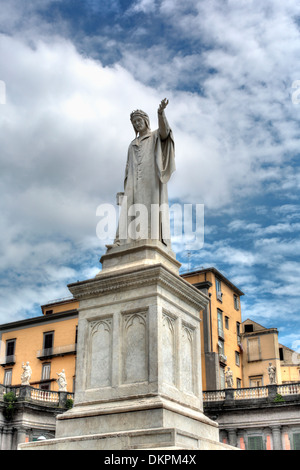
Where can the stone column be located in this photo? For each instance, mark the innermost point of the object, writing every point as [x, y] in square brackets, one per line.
[276, 434]
[7, 439]
[232, 437]
[21, 435]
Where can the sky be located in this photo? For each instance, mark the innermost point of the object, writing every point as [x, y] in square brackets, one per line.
[72, 71]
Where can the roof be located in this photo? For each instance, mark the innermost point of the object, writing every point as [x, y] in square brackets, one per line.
[217, 274]
[36, 320]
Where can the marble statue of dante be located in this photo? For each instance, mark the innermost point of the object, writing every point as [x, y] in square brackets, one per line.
[150, 163]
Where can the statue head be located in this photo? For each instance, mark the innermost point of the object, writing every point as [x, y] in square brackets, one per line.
[138, 113]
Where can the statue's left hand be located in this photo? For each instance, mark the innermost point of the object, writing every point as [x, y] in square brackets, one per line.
[163, 104]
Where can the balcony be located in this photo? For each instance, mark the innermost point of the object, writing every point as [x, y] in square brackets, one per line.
[56, 352]
[221, 333]
[219, 296]
[8, 360]
[222, 358]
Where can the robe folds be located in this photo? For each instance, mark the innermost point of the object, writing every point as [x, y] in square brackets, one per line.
[144, 210]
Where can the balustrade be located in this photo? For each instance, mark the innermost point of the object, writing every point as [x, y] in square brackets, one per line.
[251, 392]
[37, 394]
[50, 396]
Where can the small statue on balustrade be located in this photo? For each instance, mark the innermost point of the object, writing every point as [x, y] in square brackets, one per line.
[62, 381]
[229, 378]
[26, 375]
[272, 373]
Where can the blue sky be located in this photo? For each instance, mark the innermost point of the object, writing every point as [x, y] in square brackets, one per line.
[74, 70]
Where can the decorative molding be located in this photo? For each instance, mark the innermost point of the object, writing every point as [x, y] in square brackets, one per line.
[168, 321]
[135, 347]
[145, 276]
[94, 325]
[99, 363]
[129, 318]
[189, 332]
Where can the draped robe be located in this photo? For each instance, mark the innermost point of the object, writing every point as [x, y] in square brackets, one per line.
[150, 164]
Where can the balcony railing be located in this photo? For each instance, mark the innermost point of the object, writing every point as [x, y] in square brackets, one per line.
[7, 360]
[223, 358]
[37, 395]
[269, 391]
[58, 351]
[221, 333]
[250, 393]
[289, 389]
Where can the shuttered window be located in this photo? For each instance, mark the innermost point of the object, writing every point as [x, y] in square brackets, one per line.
[296, 441]
[253, 349]
[255, 443]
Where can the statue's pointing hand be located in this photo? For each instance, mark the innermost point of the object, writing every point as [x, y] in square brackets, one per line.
[163, 104]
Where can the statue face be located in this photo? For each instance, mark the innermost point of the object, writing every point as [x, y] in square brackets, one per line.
[139, 124]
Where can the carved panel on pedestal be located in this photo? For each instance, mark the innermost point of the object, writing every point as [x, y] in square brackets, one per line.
[187, 359]
[168, 349]
[135, 348]
[100, 353]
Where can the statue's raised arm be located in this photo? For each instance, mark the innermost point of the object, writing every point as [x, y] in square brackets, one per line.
[163, 125]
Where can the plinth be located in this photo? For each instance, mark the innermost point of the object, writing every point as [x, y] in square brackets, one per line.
[138, 373]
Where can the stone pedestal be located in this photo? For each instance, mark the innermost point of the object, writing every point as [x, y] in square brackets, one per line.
[138, 375]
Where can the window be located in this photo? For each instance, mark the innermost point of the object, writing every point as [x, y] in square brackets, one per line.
[281, 357]
[10, 349]
[227, 323]
[7, 377]
[255, 443]
[296, 441]
[48, 342]
[46, 367]
[236, 302]
[222, 378]
[256, 381]
[220, 324]
[221, 346]
[248, 328]
[218, 289]
[238, 331]
[238, 383]
[222, 357]
[237, 358]
[253, 349]
[45, 386]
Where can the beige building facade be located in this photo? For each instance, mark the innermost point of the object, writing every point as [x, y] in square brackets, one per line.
[262, 351]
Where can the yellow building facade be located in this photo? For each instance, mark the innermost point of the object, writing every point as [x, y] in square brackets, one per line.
[47, 343]
[262, 349]
[221, 324]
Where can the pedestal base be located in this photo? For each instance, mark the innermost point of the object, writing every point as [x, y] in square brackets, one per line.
[138, 376]
[161, 438]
